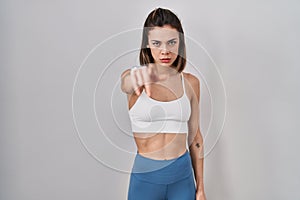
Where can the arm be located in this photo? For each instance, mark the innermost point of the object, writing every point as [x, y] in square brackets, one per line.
[126, 84]
[195, 140]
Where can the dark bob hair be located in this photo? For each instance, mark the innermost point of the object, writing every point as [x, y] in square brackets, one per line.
[160, 17]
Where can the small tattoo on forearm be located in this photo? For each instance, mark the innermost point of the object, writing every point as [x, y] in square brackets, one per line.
[198, 145]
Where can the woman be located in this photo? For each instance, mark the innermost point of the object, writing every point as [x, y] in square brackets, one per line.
[163, 109]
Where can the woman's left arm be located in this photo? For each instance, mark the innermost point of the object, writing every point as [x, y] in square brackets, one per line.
[195, 140]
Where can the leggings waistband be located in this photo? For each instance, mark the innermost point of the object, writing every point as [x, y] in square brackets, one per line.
[162, 171]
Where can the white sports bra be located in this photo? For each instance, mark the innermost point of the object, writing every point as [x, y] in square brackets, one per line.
[148, 115]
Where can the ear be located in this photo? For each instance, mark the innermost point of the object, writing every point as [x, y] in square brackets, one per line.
[147, 46]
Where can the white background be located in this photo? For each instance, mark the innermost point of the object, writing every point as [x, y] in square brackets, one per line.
[255, 44]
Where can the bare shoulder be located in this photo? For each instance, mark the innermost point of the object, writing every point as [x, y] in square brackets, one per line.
[193, 80]
[193, 84]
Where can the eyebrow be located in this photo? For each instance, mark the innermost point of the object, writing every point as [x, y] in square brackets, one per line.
[168, 40]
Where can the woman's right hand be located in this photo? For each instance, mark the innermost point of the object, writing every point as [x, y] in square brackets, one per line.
[144, 76]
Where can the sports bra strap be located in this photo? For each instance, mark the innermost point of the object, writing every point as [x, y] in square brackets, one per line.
[182, 78]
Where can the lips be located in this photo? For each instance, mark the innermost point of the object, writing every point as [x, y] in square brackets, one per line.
[165, 60]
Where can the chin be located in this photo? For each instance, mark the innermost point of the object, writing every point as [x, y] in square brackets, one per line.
[165, 64]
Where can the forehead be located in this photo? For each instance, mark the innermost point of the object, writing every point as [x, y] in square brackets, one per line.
[163, 33]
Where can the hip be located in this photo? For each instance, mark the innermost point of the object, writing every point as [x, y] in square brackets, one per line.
[162, 171]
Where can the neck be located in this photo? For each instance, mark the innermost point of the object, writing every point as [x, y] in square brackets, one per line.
[167, 70]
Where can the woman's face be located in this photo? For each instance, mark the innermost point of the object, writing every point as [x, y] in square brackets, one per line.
[164, 44]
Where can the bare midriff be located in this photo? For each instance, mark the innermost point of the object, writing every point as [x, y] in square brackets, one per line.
[161, 146]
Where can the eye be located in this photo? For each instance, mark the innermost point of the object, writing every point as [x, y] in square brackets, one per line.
[172, 42]
[156, 43]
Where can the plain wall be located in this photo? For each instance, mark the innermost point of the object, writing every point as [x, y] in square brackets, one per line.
[255, 45]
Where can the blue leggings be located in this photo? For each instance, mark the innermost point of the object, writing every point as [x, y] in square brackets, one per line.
[162, 179]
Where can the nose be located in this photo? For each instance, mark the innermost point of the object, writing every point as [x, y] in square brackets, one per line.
[164, 49]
